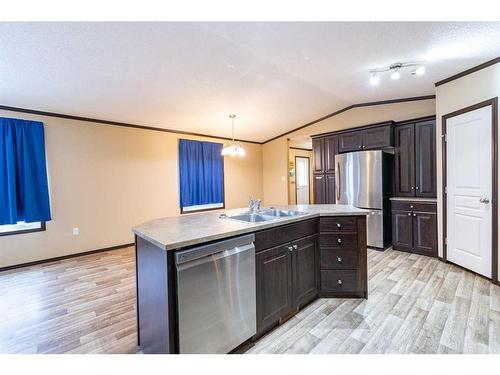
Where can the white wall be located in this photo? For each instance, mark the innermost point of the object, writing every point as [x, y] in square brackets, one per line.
[460, 93]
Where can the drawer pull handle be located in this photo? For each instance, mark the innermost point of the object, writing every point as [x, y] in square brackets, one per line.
[339, 240]
[411, 206]
[339, 225]
[409, 213]
[339, 281]
[295, 247]
[339, 259]
[290, 248]
[414, 214]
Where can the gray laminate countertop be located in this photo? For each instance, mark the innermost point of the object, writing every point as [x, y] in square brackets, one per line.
[414, 199]
[172, 233]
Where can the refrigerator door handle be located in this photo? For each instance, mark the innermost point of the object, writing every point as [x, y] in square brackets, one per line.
[338, 178]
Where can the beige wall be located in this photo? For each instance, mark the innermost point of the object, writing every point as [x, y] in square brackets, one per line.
[275, 169]
[292, 196]
[460, 93]
[275, 162]
[105, 179]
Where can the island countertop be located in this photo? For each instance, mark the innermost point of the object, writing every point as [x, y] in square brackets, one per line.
[175, 232]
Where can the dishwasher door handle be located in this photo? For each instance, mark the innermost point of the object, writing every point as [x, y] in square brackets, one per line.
[215, 256]
[211, 249]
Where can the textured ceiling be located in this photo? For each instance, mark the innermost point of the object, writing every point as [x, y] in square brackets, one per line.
[190, 76]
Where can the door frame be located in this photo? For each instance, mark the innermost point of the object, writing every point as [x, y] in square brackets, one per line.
[494, 155]
[308, 177]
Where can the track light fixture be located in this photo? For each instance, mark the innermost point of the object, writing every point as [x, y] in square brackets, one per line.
[395, 69]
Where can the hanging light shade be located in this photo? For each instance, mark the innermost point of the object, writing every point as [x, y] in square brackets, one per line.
[233, 148]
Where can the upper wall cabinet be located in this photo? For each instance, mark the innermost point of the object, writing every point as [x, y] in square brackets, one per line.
[369, 138]
[415, 159]
[324, 151]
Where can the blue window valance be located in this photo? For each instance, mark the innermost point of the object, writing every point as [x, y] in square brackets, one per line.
[24, 192]
[201, 174]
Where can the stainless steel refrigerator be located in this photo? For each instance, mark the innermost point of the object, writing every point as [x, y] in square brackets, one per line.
[364, 179]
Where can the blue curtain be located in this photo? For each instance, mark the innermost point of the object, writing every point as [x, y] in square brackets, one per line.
[201, 171]
[24, 193]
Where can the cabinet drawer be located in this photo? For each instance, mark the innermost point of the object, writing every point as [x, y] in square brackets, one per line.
[339, 240]
[414, 206]
[339, 281]
[336, 259]
[337, 224]
[286, 233]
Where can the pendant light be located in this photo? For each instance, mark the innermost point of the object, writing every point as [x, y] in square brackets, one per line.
[233, 148]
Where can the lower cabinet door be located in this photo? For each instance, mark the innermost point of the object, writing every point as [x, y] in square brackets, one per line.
[331, 192]
[305, 270]
[425, 233]
[402, 230]
[319, 189]
[274, 286]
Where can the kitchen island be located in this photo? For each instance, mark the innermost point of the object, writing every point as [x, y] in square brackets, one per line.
[320, 252]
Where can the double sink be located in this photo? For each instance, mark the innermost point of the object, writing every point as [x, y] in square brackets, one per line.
[266, 215]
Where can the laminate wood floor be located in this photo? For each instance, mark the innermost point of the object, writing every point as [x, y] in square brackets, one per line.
[416, 304]
[78, 305]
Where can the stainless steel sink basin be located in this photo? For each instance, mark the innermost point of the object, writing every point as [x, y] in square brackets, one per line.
[280, 213]
[265, 215]
[252, 218]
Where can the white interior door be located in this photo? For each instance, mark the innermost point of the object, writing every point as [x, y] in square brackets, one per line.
[469, 190]
[302, 179]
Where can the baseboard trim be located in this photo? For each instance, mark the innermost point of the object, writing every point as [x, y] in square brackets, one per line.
[37, 262]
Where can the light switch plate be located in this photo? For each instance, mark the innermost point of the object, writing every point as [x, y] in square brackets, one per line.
[76, 231]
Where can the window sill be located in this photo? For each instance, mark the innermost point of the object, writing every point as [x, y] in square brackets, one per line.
[24, 231]
[222, 207]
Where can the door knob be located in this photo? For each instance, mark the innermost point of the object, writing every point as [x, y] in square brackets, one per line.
[290, 248]
[409, 213]
[484, 200]
[339, 281]
[339, 259]
[295, 247]
[339, 240]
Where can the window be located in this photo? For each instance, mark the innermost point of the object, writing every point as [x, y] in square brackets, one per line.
[21, 227]
[24, 192]
[201, 175]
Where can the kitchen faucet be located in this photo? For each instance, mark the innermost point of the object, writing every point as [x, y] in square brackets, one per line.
[254, 205]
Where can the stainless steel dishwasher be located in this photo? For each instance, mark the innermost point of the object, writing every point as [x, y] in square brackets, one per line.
[216, 295]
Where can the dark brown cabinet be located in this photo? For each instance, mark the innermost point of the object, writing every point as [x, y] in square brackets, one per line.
[425, 159]
[330, 189]
[331, 149]
[305, 270]
[286, 275]
[402, 230]
[318, 151]
[324, 151]
[274, 286]
[425, 233]
[319, 189]
[405, 160]
[415, 159]
[369, 138]
[351, 141]
[324, 189]
[343, 257]
[414, 227]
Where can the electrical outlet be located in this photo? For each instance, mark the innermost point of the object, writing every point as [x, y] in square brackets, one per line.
[76, 231]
